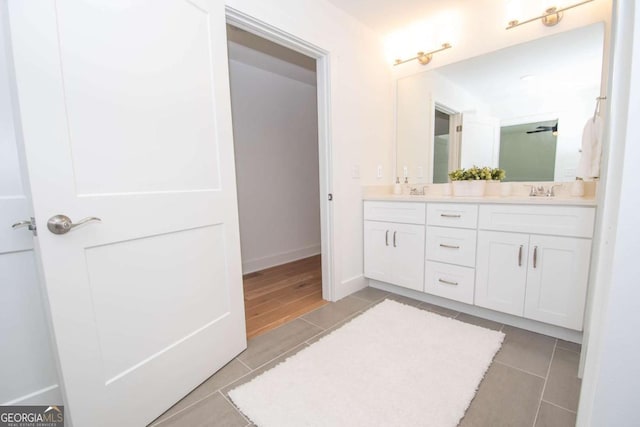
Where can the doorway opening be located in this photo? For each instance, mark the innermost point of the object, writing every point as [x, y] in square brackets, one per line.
[282, 175]
[445, 150]
[441, 143]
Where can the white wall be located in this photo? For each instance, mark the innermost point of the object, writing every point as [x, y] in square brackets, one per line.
[276, 146]
[612, 373]
[360, 115]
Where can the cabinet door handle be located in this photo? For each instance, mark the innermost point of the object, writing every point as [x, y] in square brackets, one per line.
[450, 215]
[444, 245]
[520, 256]
[535, 256]
[386, 238]
[394, 239]
[447, 282]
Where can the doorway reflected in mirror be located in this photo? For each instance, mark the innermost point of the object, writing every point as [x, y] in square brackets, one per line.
[528, 151]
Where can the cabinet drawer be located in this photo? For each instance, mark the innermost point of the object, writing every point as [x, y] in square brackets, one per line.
[555, 220]
[452, 215]
[452, 245]
[402, 212]
[449, 281]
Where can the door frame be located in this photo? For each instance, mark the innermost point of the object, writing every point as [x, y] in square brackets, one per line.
[267, 31]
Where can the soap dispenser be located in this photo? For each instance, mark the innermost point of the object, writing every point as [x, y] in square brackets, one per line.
[406, 188]
[397, 188]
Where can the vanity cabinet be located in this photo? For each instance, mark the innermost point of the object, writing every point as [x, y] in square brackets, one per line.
[526, 260]
[537, 276]
[394, 236]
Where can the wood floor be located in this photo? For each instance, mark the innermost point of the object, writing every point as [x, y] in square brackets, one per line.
[279, 294]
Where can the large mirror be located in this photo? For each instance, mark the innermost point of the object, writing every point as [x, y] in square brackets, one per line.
[522, 108]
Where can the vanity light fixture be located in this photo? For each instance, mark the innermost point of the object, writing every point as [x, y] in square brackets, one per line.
[550, 17]
[422, 57]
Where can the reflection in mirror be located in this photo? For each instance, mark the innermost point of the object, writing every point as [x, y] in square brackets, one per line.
[528, 151]
[552, 81]
[441, 147]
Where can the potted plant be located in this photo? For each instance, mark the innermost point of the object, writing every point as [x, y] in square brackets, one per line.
[471, 182]
[493, 185]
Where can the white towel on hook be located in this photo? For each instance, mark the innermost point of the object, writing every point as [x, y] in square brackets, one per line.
[589, 165]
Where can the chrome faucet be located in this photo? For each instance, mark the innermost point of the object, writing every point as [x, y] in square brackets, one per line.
[536, 191]
[414, 191]
[550, 192]
[539, 191]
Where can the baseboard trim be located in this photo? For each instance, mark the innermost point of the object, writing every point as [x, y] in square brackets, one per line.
[349, 286]
[507, 319]
[257, 264]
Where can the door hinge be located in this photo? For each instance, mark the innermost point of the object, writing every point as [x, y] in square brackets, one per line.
[330, 196]
[30, 224]
[459, 128]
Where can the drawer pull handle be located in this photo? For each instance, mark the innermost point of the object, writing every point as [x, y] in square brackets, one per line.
[450, 215]
[394, 239]
[447, 282]
[535, 256]
[386, 238]
[443, 245]
[520, 256]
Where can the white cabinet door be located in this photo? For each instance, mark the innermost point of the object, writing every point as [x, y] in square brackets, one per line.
[394, 253]
[557, 280]
[125, 116]
[377, 250]
[408, 256]
[501, 271]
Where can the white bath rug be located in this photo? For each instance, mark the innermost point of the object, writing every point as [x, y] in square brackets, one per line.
[394, 365]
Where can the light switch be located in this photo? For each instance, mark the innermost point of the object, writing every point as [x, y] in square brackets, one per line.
[355, 171]
[379, 174]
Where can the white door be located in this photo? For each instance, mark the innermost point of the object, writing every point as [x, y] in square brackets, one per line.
[126, 117]
[27, 367]
[501, 271]
[407, 262]
[557, 280]
[480, 140]
[377, 256]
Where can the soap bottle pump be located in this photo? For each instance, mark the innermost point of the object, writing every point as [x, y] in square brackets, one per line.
[406, 188]
[397, 188]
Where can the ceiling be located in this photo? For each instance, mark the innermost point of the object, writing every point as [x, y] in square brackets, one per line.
[386, 16]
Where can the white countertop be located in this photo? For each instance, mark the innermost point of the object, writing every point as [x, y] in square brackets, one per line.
[516, 199]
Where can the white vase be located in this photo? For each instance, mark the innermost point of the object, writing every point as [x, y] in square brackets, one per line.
[473, 188]
[492, 188]
[461, 188]
[477, 188]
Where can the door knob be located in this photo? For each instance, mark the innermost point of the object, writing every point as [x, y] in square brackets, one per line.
[31, 223]
[62, 224]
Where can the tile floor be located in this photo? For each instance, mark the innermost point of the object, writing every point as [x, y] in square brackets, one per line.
[531, 383]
